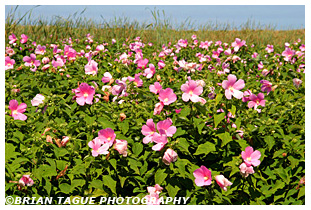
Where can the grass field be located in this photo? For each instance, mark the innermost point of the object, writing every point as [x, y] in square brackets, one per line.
[160, 31]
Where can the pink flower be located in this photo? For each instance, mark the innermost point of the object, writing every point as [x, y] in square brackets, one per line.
[25, 181]
[152, 199]
[246, 170]
[155, 190]
[166, 128]
[167, 96]
[100, 48]
[9, 63]
[266, 86]
[91, 67]
[45, 60]
[107, 77]
[107, 136]
[9, 51]
[161, 64]
[84, 94]
[297, 82]
[160, 140]
[40, 50]
[149, 72]
[191, 91]
[237, 44]
[222, 182]
[169, 156]
[178, 111]
[250, 156]
[17, 110]
[288, 54]
[31, 61]
[59, 62]
[260, 65]
[12, 39]
[158, 108]
[119, 89]
[24, 39]
[255, 101]
[137, 81]
[269, 48]
[155, 88]
[98, 147]
[148, 131]
[65, 140]
[232, 87]
[121, 147]
[38, 99]
[265, 72]
[203, 176]
[142, 63]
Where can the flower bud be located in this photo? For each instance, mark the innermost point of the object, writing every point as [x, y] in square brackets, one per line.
[222, 182]
[169, 156]
[122, 117]
[121, 147]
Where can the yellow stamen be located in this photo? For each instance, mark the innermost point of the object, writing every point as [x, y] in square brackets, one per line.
[206, 178]
[190, 92]
[231, 89]
[249, 159]
[166, 100]
[15, 112]
[86, 95]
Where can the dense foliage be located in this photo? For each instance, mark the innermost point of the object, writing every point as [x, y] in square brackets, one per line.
[90, 90]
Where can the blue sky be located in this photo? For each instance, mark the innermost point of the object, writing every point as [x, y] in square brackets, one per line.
[282, 17]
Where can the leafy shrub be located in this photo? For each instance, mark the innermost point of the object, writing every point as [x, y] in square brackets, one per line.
[208, 129]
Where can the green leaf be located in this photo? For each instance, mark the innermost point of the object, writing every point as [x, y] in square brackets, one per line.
[124, 126]
[293, 161]
[184, 112]
[110, 183]
[134, 164]
[122, 180]
[218, 118]
[89, 120]
[47, 186]
[270, 142]
[10, 152]
[65, 188]
[183, 144]
[137, 148]
[181, 165]
[199, 123]
[205, 148]
[218, 98]
[97, 184]
[283, 174]
[179, 132]
[19, 135]
[160, 176]
[172, 191]
[238, 123]
[301, 192]
[105, 123]
[233, 110]
[225, 138]
[77, 183]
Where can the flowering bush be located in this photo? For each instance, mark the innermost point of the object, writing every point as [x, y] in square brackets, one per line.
[221, 123]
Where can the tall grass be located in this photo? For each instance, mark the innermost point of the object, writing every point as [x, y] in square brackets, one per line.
[160, 30]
